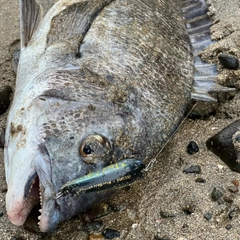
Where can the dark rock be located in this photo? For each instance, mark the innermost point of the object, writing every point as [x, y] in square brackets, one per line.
[200, 180]
[233, 213]
[16, 238]
[228, 61]
[110, 233]
[222, 145]
[188, 209]
[216, 194]
[233, 189]
[228, 198]
[2, 139]
[1, 214]
[166, 214]
[161, 238]
[193, 169]
[5, 95]
[208, 216]
[192, 147]
[229, 226]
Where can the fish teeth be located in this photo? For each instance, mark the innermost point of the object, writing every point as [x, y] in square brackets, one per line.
[40, 210]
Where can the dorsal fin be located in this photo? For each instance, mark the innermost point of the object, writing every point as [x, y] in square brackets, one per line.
[30, 16]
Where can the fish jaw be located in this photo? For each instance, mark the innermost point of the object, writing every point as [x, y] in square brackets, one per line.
[21, 195]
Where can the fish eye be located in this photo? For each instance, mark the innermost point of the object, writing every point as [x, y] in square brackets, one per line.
[95, 148]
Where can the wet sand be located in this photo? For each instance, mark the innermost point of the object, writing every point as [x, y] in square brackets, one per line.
[165, 187]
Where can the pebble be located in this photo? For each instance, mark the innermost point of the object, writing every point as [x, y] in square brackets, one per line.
[1, 214]
[193, 169]
[235, 182]
[233, 189]
[110, 233]
[192, 147]
[200, 180]
[228, 61]
[166, 214]
[2, 139]
[208, 216]
[188, 209]
[228, 198]
[161, 238]
[229, 226]
[233, 213]
[95, 226]
[97, 211]
[96, 237]
[134, 225]
[5, 94]
[216, 194]
[16, 238]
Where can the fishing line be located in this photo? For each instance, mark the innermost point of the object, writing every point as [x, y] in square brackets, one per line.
[153, 160]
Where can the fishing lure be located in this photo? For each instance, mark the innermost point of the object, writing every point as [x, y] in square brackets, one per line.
[113, 176]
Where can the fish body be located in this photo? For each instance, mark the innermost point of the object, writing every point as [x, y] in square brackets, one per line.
[98, 82]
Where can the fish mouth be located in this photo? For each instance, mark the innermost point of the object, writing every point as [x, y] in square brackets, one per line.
[38, 192]
[35, 194]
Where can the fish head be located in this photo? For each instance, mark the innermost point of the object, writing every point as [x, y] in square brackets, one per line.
[53, 139]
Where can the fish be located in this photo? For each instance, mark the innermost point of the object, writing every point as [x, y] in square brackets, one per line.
[98, 82]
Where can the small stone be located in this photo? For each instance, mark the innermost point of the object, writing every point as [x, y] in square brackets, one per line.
[235, 182]
[110, 233]
[200, 180]
[229, 226]
[5, 95]
[220, 167]
[2, 139]
[97, 211]
[193, 169]
[134, 225]
[161, 238]
[233, 213]
[166, 214]
[228, 61]
[233, 189]
[228, 198]
[95, 226]
[96, 237]
[16, 238]
[216, 194]
[208, 216]
[1, 214]
[188, 209]
[192, 147]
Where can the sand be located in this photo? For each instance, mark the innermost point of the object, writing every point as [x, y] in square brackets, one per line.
[165, 188]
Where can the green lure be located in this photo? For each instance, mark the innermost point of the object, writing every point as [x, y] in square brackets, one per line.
[113, 176]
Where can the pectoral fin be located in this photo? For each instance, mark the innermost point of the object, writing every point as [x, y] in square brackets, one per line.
[30, 16]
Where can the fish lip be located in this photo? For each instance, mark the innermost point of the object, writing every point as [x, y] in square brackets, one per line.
[50, 215]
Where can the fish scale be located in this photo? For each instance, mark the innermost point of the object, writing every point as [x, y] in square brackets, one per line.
[98, 82]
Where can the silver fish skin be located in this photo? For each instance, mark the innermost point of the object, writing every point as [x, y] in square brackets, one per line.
[97, 82]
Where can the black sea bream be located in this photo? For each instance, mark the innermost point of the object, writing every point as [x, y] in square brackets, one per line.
[98, 82]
